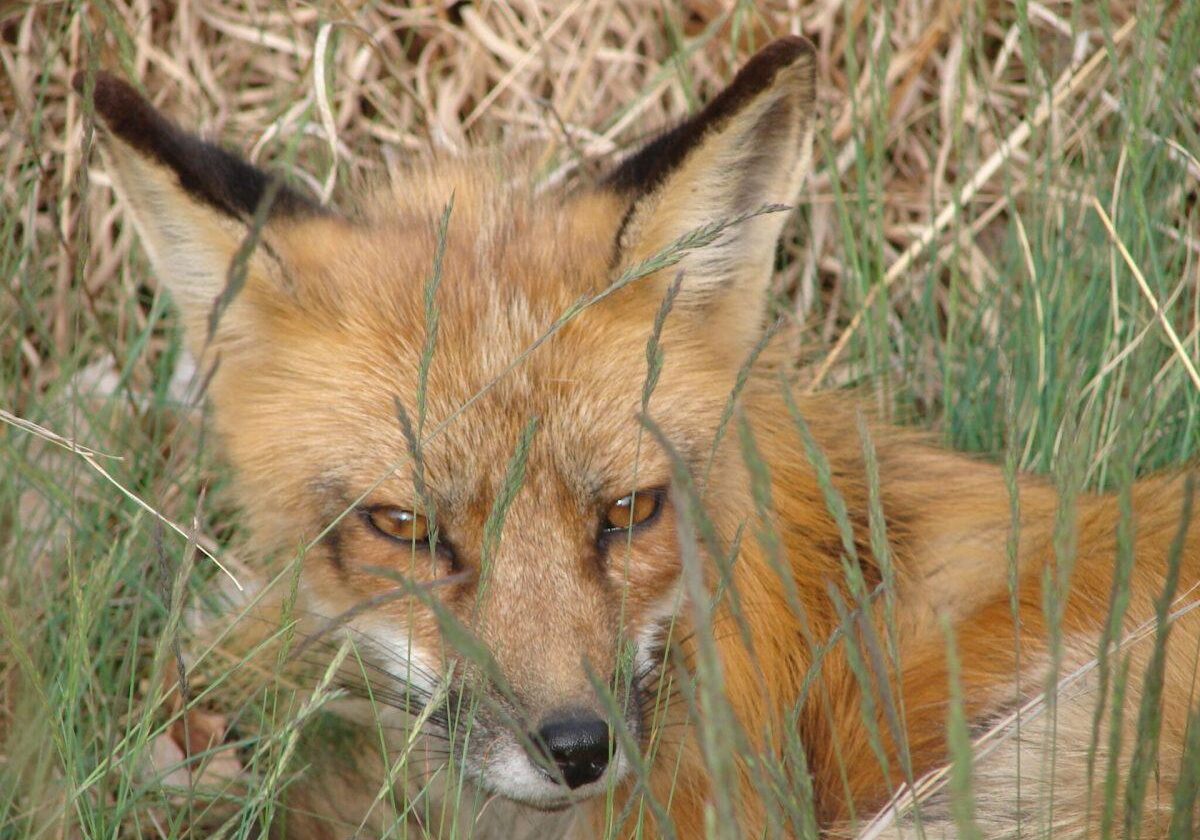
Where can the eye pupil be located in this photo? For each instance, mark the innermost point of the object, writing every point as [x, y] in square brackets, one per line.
[399, 524]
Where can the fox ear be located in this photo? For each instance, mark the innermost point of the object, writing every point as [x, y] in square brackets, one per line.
[194, 205]
[748, 148]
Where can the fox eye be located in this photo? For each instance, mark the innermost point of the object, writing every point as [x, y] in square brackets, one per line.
[630, 511]
[398, 524]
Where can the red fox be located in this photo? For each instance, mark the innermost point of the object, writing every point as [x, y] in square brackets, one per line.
[517, 432]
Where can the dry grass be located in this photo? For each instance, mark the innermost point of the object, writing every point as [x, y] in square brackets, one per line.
[365, 85]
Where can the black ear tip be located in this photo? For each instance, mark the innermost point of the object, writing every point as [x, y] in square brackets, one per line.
[121, 107]
[106, 85]
[778, 55]
[794, 44]
[646, 169]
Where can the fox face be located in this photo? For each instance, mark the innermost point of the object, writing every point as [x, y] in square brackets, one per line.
[443, 401]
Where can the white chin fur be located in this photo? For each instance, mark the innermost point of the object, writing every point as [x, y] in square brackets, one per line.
[656, 625]
[409, 664]
[507, 771]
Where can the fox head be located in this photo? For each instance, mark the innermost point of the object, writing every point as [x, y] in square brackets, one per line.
[438, 398]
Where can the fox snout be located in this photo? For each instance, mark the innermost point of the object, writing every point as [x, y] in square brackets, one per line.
[564, 727]
[554, 757]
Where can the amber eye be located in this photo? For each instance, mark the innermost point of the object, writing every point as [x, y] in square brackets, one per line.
[632, 510]
[398, 523]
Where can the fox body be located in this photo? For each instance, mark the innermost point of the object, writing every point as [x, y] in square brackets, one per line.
[388, 443]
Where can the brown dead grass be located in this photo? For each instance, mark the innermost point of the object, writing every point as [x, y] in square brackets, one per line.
[365, 85]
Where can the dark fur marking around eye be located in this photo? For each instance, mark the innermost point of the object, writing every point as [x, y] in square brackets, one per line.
[647, 168]
[207, 172]
[334, 502]
[333, 544]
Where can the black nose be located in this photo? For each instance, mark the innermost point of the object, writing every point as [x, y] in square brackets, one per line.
[578, 743]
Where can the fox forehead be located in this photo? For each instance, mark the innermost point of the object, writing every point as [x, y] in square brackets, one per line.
[511, 264]
[508, 250]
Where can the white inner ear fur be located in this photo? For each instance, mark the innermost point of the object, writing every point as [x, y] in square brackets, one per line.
[760, 156]
[191, 246]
